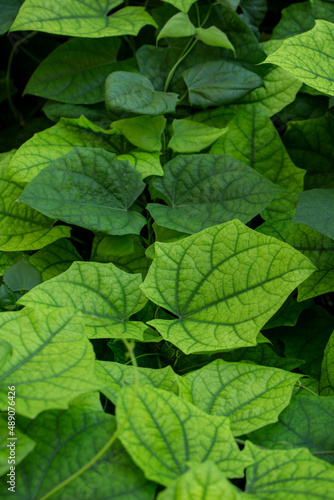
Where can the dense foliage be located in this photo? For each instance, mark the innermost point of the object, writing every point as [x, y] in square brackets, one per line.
[166, 249]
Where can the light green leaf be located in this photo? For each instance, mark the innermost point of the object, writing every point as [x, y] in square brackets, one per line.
[205, 190]
[327, 370]
[306, 423]
[52, 360]
[22, 276]
[219, 82]
[252, 138]
[251, 395]
[315, 209]
[202, 482]
[78, 19]
[133, 92]
[191, 137]
[54, 142]
[105, 295]
[8, 12]
[177, 26]
[202, 280]
[288, 475]
[164, 435]
[214, 37]
[6, 351]
[68, 441]
[75, 71]
[88, 187]
[315, 246]
[55, 258]
[144, 162]
[113, 376]
[308, 57]
[5, 262]
[22, 228]
[143, 131]
[89, 400]
[183, 5]
[22, 445]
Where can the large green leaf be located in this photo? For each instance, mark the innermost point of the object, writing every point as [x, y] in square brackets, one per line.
[52, 143]
[219, 82]
[315, 209]
[306, 423]
[113, 376]
[223, 284]
[252, 396]
[327, 369]
[133, 92]
[143, 131]
[52, 360]
[68, 442]
[315, 246]
[90, 188]
[164, 435]
[310, 145]
[22, 443]
[191, 137]
[205, 190]
[288, 475]
[308, 57]
[76, 71]
[22, 228]
[252, 138]
[105, 295]
[80, 19]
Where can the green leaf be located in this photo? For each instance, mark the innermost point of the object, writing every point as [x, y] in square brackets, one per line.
[55, 258]
[290, 311]
[315, 246]
[214, 37]
[214, 313]
[183, 5]
[105, 295]
[191, 137]
[315, 209]
[204, 481]
[68, 441]
[143, 131]
[288, 475]
[252, 396]
[305, 423]
[219, 82]
[308, 57]
[327, 369]
[90, 188]
[144, 162]
[52, 360]
[78, 19]
[113, 376]
[310, 146]
[177, 26]
[252, 138]
[5, 262]
[133, 92]
[205, 190]
[75, 71]
[23, 446]
[22, 228]
[52, 143]
[22, 276]
[164, 435]
[8, 10]
[96, 113]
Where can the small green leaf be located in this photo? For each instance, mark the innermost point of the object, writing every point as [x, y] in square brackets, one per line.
[22, 276]
[144, 162]
[315, 209]
[177, 26]
[205, 190]
[79, 19]
[202, 280]
[52, 360]
[90, 188]
[23, 446]
[191, 137]
[143, 131]
[327, 369]
[133, 92]
[105, 295]
[288, 475]
[214, 37]
[219, 82]
[308, 57]
[164, 435]
[8, 12]
[252, 396]
[183, 5]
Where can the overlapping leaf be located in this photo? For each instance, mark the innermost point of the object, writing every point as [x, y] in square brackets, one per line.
[22, 444]
[315, 209]
[143, 131]
[327, 369]
[146, 163]
[191, 136]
